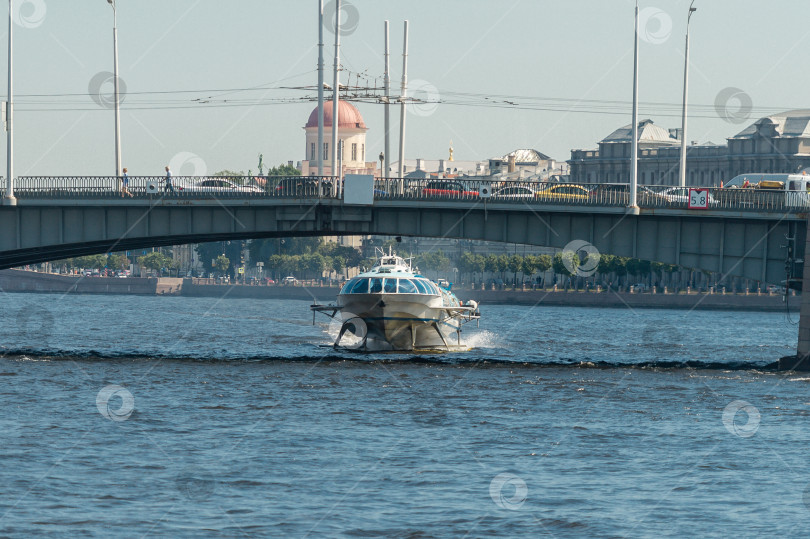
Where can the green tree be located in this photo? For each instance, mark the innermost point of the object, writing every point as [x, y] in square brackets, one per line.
[283, 170]
[222, 263]
[91, 261]
[633, 266]
[467, 263]
[491, 263]
[619, 265]
[229, 173]
[503, 264]
[208, 252]
[563, 261]
[529, 265]
[480, 264]
[338, 264]
[434, 261]
[118, 261]
[543, 263]
[301, 246]
[605, 264]
[515, 263]
[156, 261]
[315, 263]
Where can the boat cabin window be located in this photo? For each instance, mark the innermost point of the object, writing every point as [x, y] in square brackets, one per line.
[360, 286]
[431, 288]
[378, 285]
[420, 285]
[348, 286]
[407, 287]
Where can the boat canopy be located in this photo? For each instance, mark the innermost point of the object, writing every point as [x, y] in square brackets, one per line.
[389, 285]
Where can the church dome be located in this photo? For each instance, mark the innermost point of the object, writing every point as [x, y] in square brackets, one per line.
[348, 116]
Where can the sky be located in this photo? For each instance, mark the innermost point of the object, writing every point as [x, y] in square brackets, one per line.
[210, 85]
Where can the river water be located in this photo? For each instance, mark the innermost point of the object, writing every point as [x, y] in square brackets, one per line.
[171, 416]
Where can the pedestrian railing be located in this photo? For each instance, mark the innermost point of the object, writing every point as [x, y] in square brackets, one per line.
[478, 191]
[198, 187]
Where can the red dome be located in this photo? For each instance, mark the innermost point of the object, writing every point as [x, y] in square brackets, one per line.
[348, 116]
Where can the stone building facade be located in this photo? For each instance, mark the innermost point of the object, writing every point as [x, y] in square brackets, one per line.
[774, 144]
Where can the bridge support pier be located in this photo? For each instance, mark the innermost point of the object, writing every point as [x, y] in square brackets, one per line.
[9, 201]
[801, 361]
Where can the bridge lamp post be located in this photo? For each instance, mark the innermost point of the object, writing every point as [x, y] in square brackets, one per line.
[117, 99]
[633, 206]
[682, 175]
[8, 199]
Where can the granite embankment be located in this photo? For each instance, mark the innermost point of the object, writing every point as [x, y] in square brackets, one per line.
[31, 281]
[324, 294]
[28, 281]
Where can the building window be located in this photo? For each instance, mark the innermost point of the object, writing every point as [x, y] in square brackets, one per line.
[354, 151]
[363, 153]
[312, 151]
[326, 155]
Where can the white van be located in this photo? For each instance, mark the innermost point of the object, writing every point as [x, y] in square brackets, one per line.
[795, 186]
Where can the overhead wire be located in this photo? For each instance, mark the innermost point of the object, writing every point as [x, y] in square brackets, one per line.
[367, 92]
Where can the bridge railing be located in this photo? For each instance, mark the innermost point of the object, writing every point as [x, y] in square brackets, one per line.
[449, 189]
[597, 194]
[181, 187]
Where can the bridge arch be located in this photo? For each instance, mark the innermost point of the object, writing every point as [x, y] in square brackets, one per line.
[752, 245]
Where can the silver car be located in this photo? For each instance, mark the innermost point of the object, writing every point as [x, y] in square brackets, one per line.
[218, 185]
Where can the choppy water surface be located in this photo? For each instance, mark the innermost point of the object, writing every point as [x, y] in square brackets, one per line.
[148, 416]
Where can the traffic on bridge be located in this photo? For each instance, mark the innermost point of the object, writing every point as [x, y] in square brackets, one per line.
[739, 194]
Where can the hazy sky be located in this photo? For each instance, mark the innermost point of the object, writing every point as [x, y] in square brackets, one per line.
[204, 78]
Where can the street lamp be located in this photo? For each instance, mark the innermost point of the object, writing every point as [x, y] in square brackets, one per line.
[9, 199]
[633, 206]
[682, 179]
[117, 100]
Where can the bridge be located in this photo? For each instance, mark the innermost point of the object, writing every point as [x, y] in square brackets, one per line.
[753, 234]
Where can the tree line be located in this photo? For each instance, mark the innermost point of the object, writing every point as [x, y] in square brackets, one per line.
[155, 260]
[474, 266]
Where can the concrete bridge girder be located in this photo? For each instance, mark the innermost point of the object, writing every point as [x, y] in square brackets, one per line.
[746, 245]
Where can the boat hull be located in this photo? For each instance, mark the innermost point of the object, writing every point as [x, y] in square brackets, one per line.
[384, 322]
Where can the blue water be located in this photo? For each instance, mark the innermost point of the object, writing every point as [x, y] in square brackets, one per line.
[167, 416]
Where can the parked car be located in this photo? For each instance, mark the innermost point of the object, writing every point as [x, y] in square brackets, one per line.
[640, 287]
[514, 192]
[563, 192]
[445, 188]
[681, 195]
[219, 186]
[289, 280]
[302, 187]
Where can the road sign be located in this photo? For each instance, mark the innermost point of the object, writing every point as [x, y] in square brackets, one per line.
[698, 199]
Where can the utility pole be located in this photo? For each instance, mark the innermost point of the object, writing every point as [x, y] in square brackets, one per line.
[9, 199]
[634, 146]
[387, 86]
[682, 175]
[402, 103]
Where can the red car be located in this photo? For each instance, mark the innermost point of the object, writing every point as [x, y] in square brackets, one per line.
[443, 188]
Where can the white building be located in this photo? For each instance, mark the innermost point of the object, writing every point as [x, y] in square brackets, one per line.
[351, 132]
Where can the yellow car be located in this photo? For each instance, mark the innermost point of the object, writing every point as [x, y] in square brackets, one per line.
[562, 191]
